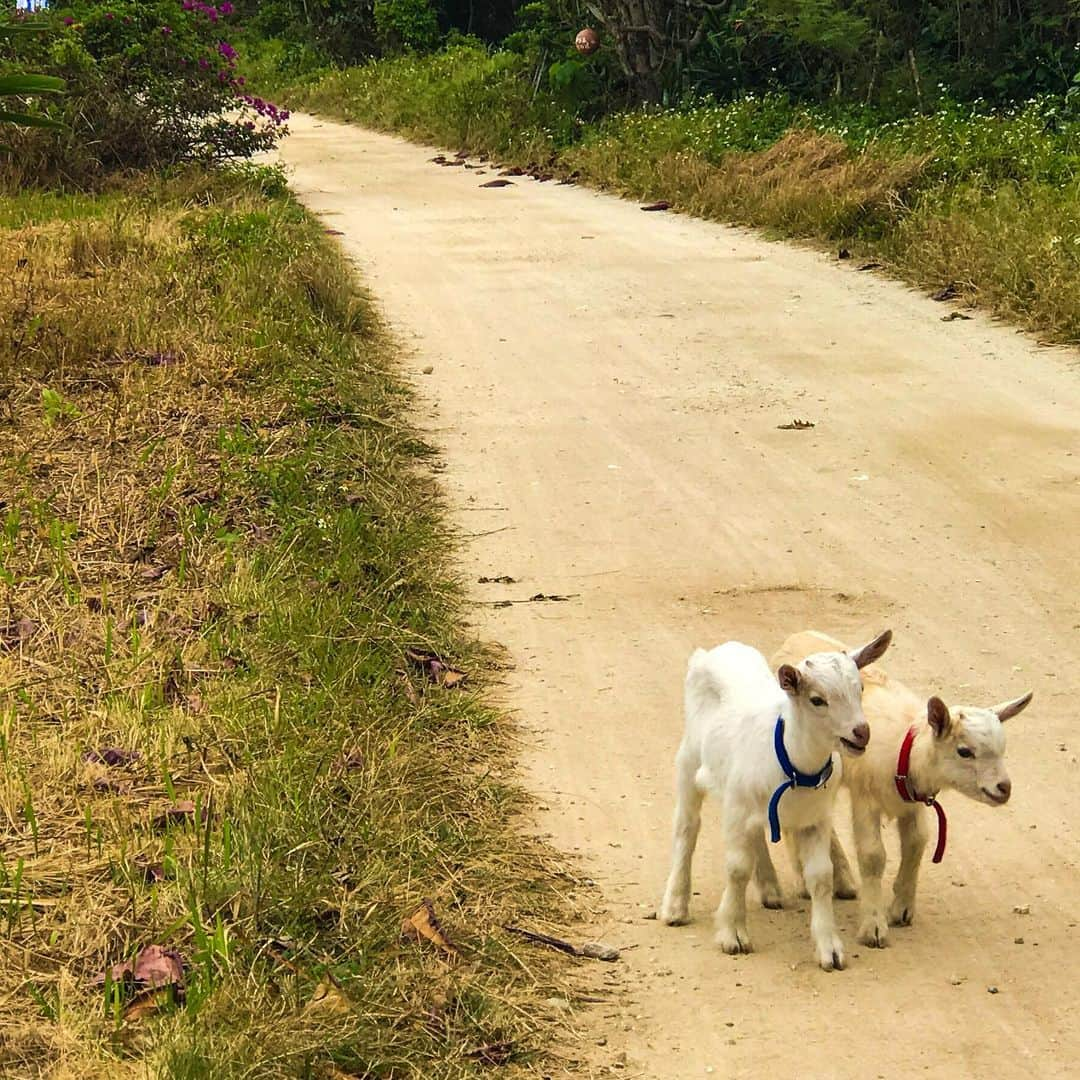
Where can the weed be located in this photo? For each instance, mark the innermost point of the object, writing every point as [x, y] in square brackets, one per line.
[221, 538]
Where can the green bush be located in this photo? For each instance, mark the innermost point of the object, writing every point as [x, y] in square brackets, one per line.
[406, 25]
[149, 84]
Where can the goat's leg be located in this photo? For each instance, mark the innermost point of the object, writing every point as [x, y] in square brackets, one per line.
[765, 878]
[844, 887]
[813, 848]
[873, 928]
[675, 907]
[843, 880]
[731, 933]
[912, 827]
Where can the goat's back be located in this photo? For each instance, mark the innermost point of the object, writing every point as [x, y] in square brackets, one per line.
[728, 690]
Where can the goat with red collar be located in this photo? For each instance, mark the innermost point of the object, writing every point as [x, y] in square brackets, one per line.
[766, 745]
[921, 748]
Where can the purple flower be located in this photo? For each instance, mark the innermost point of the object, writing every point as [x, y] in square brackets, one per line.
[226, 8]
[109, 15]
[166, 30]
[203, 63]
[69, 20]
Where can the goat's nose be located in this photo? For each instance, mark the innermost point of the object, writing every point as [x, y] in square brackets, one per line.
[860, 734]
[1005, 789]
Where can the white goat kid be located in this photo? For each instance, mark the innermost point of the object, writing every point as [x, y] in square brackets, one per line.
[741, 722]
[920, 749]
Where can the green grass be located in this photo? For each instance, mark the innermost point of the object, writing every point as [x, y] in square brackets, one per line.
[222, 537]
[988, 201]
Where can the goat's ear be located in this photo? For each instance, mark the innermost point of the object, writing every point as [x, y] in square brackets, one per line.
[937, 716]
[1008, 709]
[872, 651]
[788, 678]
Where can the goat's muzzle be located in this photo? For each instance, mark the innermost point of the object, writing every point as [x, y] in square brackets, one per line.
[857, 741]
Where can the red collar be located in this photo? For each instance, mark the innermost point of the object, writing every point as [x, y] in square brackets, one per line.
[908, 793]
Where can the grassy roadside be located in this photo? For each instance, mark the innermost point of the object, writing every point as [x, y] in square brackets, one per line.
[219, 540]
[985, 202]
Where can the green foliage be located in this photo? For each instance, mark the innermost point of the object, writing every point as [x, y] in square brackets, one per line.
[406, 25]
[149, 84]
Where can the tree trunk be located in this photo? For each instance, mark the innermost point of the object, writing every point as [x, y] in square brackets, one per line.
[651, 38]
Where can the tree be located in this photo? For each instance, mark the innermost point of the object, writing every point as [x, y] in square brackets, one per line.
[653, 39]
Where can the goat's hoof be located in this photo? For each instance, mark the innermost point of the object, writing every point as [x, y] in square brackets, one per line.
[901, 915]
[831, 958]
[845, 892]
[734, 942]
[772, 902]
[874, 934]
[674, 914]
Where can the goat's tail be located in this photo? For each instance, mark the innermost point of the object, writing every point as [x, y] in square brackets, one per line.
[701, 681]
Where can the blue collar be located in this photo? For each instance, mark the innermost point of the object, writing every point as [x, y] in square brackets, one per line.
[794, 778]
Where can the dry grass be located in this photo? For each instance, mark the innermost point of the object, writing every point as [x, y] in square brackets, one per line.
[806, 185]
[218, 537]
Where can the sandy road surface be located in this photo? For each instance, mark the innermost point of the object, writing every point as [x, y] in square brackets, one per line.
[607, 386]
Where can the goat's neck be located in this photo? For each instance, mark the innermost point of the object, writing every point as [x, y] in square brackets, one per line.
[923, 774]
[808, 747]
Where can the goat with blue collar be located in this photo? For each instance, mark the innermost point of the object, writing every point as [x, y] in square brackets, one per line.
[766, 745]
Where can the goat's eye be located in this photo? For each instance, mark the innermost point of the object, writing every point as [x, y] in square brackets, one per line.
[818, 701]
[964, 752]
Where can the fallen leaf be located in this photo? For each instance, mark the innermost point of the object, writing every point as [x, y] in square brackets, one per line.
[451, 164]
[501, 579]
[151, 872]
[514, 170]
[94, 604]
[461, 155]
[328, 998]
[154, 573]
[661, 205]
[497, 183]
[181, 812]
[954, 316]
[154, 967]
[438, 159]
[333, 232]
[796, 425]
[843, 253]
[149, 1002]
[410, 690]
[947, 293]
[161, 359]
[424, 925]
[109, 785]
[193, 703]
[498, 1053]
[141, 618]
[14, 634]
[870, 266]
[350, 762]
[435, 668]
[112, 755]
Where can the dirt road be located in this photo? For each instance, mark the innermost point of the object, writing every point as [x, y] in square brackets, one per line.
[608, 386]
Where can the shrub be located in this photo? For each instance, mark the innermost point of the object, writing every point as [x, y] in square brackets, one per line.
[406, 25]
[150, 84]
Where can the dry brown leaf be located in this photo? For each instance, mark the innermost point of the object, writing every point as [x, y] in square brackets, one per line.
[423, 924]
[328, 998]
[180, 813]
[498, 1053]
[154, 967]
[14, 634]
